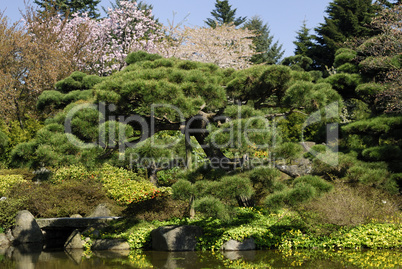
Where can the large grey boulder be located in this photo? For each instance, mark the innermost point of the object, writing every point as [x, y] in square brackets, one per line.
[26, 229]
[233, 245]
[110, 244]
[74, 241]
[101, 211]
[175, 238]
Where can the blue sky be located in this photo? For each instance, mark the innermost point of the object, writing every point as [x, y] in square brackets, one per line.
[284, 18]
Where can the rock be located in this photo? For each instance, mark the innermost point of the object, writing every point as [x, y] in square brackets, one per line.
[74, 241]
[9, 235]
[175, 238]
[26, 229]
[233, 245]
[101, 211]
[76, 216]
[302, 167]
[307, 145]
[4, 242]
[110, 244]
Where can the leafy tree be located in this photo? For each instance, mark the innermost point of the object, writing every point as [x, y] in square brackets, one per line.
[68, 7]
[346, 19]
[28, 66]
[266, 51]
[224, 14]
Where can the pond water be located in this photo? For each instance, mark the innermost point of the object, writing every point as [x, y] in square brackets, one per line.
[77, 259]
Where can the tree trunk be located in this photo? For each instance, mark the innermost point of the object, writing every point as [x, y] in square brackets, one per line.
[188, 155]
[245, 201]
[151, 170]
[191, 207]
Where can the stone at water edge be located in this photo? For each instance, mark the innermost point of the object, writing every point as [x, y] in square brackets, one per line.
[175, 238]
[233, 245]
[4, 242]
[26, 230]
[110, 244]
[74, 241]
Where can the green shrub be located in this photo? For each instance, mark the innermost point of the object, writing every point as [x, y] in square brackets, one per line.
[182, 189]
[139, 56]
[49, 200]
[333, 164]
[371, 235]
[231, 187]
[383, 153]
[140, 238]
[161, 209]
[127, 187]
[121, 185]
[348, 68]
[300, 193]
[368, 91]
[9, 181]
[317, 182]
[349, 205]
[344, 83]
[344, 55]
[289, 151]
[68, 84]
[9, 209]
[277, 200]
[72, 172]
[212, 207]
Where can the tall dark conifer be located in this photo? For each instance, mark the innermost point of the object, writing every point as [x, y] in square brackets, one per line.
[346, 19]
[303, 41]
[267, 51]
[224, 14]
[69, 7]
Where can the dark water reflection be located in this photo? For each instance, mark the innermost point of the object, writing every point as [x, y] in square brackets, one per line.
[28, 258]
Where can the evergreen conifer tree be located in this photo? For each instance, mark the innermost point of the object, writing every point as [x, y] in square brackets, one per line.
[303, 41]
[267, 51]
[69, 7]
[346, 19]
[224, 14]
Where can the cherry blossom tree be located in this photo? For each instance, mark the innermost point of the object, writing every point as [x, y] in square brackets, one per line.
[223, 45]
[101, 46]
